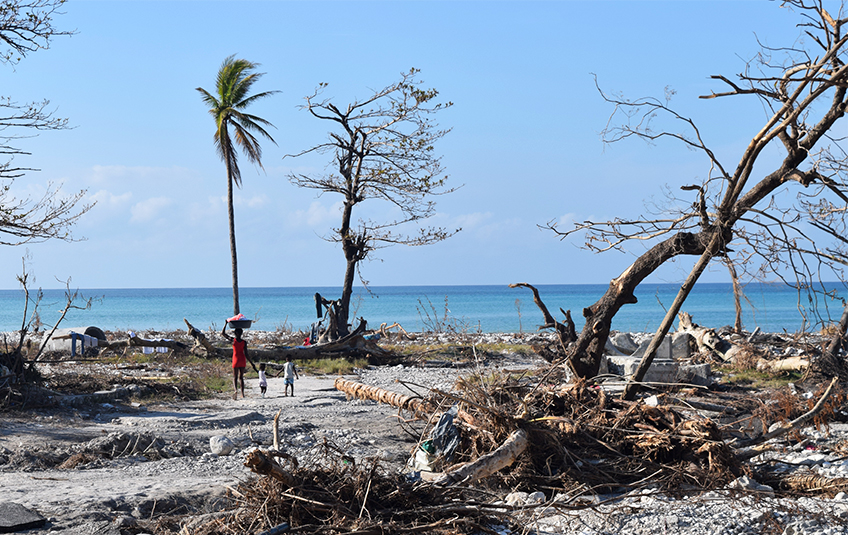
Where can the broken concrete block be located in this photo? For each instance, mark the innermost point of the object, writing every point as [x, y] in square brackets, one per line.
[681, 346]
[623, 342]
[661, 370]
[663, 352]
[696, 374]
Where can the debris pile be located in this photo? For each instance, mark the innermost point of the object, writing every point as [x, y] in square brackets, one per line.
[499, 435]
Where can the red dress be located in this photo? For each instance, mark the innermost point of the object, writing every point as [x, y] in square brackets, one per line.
[239, 359]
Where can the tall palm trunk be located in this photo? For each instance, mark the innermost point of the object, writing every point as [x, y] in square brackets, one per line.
[232, 218]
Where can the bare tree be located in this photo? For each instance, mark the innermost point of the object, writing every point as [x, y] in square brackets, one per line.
[383, 149]
[27, 26]
[741, 210]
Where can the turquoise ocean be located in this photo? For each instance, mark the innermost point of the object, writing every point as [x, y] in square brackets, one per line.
[772, 307]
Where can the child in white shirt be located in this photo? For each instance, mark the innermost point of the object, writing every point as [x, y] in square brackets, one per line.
[263, 381]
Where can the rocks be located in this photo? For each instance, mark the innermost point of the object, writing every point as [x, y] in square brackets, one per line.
[15, 517]
[221, 445]
[746, 483]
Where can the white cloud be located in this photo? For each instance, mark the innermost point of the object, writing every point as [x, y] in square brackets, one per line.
[317, 215]
[107, 199]
[566, 221]
[472, 221]
[149, 209]
[257, 201]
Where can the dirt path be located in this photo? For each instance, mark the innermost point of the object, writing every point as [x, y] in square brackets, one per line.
[109, 492]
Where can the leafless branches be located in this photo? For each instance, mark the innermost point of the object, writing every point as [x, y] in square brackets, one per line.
[27, 26]
[383, 149]
[753, 210]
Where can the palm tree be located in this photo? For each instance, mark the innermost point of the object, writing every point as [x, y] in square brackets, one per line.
[232, 88]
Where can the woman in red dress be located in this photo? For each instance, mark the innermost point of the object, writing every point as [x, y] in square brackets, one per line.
[240, 359]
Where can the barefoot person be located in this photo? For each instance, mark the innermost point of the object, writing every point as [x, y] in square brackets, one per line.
[240, 359]
[290, 372]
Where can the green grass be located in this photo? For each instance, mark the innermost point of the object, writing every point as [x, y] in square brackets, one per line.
[758, 379]
[330, 366]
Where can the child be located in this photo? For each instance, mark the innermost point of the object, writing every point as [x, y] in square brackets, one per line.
[288, 376]
[263, 382]
[240, 359]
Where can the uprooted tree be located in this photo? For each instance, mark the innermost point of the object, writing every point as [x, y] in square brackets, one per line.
[383, 147]
[738, 211]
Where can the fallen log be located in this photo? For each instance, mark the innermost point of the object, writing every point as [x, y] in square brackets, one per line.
[374, 393]
[356, 344]
[487, 464]
[781, 365]
[135, 341]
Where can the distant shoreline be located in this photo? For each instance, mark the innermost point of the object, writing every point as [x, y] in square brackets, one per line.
[476, 308]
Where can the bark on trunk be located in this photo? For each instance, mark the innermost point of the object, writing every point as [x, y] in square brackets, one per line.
[585, 354]
[714, 246]
[232, 225]
[737, 295]
[374, 393]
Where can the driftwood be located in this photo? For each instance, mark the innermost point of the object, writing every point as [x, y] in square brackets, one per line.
[487, 464]
[353, 345]
[135, 341]
[566, 331]
[263, 463]
[708, 340]
[484, 466]
[782, 365]
[402, 334]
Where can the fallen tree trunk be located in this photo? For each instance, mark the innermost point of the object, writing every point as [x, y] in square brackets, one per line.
[353, 345]
[381, 395]
[487, 464]
[135, 341]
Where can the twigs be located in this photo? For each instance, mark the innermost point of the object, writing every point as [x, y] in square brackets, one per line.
[789, 426]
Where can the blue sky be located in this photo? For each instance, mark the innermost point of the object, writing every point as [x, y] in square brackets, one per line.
[524, 144]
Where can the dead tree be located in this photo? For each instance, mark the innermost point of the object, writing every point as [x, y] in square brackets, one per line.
[736, 206]
[383, 147]
[566, 332]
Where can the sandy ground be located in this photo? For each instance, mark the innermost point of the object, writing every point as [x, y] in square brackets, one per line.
[102, 496]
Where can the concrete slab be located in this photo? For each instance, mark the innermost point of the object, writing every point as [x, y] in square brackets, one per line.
[661, 370]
